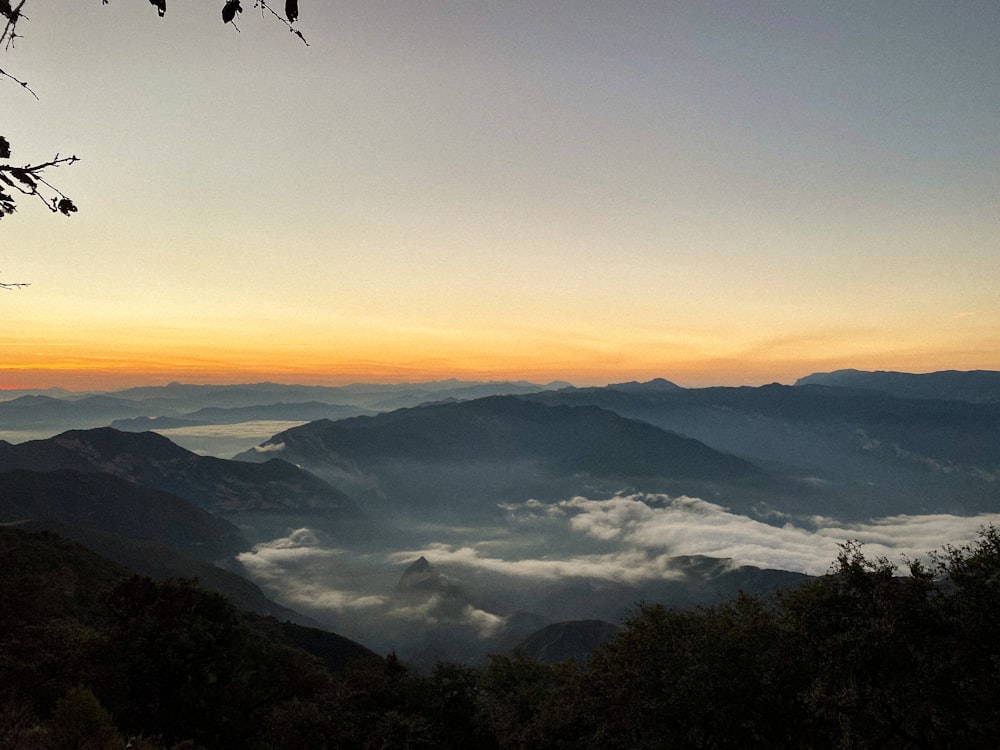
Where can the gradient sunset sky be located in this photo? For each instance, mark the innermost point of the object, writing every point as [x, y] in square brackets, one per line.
[711, 192]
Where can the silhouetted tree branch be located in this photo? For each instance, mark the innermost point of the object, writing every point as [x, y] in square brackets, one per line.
[12, 284]
[29, 179]
[13, 15]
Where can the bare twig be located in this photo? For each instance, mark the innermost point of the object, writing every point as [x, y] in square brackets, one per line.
[264, 6]
[12, 284]
[9, 34]
[19, 82]
[13, 15]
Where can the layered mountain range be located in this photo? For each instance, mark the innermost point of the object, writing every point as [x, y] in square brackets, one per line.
[471, 479]
[227, 404]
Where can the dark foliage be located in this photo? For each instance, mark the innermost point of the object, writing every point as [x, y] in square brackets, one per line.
[164, 659]
[864, 657]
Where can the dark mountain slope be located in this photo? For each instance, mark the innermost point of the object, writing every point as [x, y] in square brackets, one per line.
[160, 561]
[509, 428]
[48, 575]
[153, 461]
[478, 453]
[148, 531]
[335, 651]
[575, 640]
[106, 503]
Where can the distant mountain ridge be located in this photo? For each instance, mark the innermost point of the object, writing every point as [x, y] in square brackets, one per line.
[185, 408]
[305, 412]
[174, 399]
[40, 411]
[977, 386]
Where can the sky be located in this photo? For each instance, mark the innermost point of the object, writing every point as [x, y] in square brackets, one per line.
[716, 193]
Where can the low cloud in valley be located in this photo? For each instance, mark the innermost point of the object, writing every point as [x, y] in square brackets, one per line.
[629, 542]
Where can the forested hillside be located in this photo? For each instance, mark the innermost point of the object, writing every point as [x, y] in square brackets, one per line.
[864, 657]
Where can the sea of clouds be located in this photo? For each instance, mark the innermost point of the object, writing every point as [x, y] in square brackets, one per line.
[626, 540]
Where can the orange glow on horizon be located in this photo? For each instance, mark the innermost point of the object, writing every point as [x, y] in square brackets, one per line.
[98, 357]
[109, 373]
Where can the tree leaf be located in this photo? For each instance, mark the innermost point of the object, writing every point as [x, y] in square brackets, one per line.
[4, 148]
[24, 178]
[65, 206]
[161, 6]
[230, 9]
[291, 10]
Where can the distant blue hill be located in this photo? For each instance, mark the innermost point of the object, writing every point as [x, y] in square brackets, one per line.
[977, 386]
[853, 452]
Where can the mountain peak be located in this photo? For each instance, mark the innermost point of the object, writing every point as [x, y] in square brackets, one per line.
[419, 574]
[420, 565]
[654, 385]
[107, 442]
